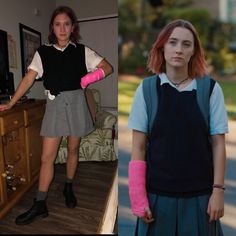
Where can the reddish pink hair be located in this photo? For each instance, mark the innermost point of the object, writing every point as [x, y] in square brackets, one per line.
[156, 61]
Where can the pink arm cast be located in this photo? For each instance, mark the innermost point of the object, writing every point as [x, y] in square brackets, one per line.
[137, 187]
[92, 77]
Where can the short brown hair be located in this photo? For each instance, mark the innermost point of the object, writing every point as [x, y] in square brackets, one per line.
[156, 61]
[74, 37]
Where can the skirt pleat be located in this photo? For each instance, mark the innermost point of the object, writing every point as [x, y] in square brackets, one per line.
[67, 115]
[178, 217]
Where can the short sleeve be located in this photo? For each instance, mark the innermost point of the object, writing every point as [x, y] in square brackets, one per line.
[138, 119]
[92, 59]
[218, 114]
[36, 65]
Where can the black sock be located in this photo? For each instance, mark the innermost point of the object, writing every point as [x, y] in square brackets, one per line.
[69, 180]
[41, 196]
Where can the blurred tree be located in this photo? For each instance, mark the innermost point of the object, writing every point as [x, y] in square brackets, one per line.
[219, 51]
[133, 31]
[156, 3]
[140, 22]
[128, 16]
[198, 17]
[170, 3]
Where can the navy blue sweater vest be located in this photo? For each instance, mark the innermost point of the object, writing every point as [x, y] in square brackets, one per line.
[179, 154]
[63, 70]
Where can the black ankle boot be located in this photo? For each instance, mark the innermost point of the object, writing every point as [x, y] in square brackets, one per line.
[39, 209]
[70, 199]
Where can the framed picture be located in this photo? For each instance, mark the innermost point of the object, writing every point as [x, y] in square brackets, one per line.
[30, 41]
[4, 62]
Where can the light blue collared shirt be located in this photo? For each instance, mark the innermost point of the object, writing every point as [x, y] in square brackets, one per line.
[138, 119]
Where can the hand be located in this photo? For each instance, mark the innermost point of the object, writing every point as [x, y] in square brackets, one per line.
[84, 81]
[92, 77]
[216, 205]
[148, 216]
[4, 107]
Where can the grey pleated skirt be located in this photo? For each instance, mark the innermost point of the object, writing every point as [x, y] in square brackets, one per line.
[67, 115]
[178, 217]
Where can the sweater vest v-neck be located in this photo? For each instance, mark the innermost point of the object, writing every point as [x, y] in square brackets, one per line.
[62, 70]
[179, 154]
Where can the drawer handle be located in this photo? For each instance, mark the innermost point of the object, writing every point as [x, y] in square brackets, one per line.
[18, 157]
[4, 175]
[15, 122]
[22, 179]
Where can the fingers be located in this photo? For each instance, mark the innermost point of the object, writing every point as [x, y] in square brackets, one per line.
[215, 207]
[146, 220]
[216, 214]
[3, 108]
[148, 216]
[219, 214]
[148, 213]
[209, 209]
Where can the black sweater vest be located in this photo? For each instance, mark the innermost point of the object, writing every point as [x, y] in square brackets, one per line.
[179, 155]
[62, 70]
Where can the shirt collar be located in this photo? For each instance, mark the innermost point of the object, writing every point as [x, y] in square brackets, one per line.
[62, 49]
[164, 80]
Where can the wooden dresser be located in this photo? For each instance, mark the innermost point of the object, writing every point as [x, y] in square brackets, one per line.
[20, 151]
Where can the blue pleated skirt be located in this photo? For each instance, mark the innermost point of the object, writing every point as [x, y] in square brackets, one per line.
[178, 217]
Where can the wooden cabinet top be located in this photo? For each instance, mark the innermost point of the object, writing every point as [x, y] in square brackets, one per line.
[23, 106]
[21, 115]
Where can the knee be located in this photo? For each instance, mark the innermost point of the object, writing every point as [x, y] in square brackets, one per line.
[47, 159]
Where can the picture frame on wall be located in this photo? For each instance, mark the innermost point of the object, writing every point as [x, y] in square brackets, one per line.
[4, 63]
[30, 41]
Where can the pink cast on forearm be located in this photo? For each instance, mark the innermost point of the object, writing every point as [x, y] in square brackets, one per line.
[137, 187]
[92, 77]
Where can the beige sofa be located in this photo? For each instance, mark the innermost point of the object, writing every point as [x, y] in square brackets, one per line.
[99, 144]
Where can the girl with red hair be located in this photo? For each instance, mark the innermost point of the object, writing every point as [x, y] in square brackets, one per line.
[176, 173]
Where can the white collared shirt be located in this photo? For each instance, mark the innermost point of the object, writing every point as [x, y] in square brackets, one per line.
[92, 59]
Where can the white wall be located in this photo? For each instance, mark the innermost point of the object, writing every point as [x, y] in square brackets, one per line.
[101, 35]
[91, 8]
[13, 12]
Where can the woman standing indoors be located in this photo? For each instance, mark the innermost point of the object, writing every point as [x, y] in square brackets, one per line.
[67, 67]
[179, 121]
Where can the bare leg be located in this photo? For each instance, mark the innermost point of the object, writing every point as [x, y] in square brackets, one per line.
[49, 153]
[71, 167]
[72, 159]
[39, 208]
